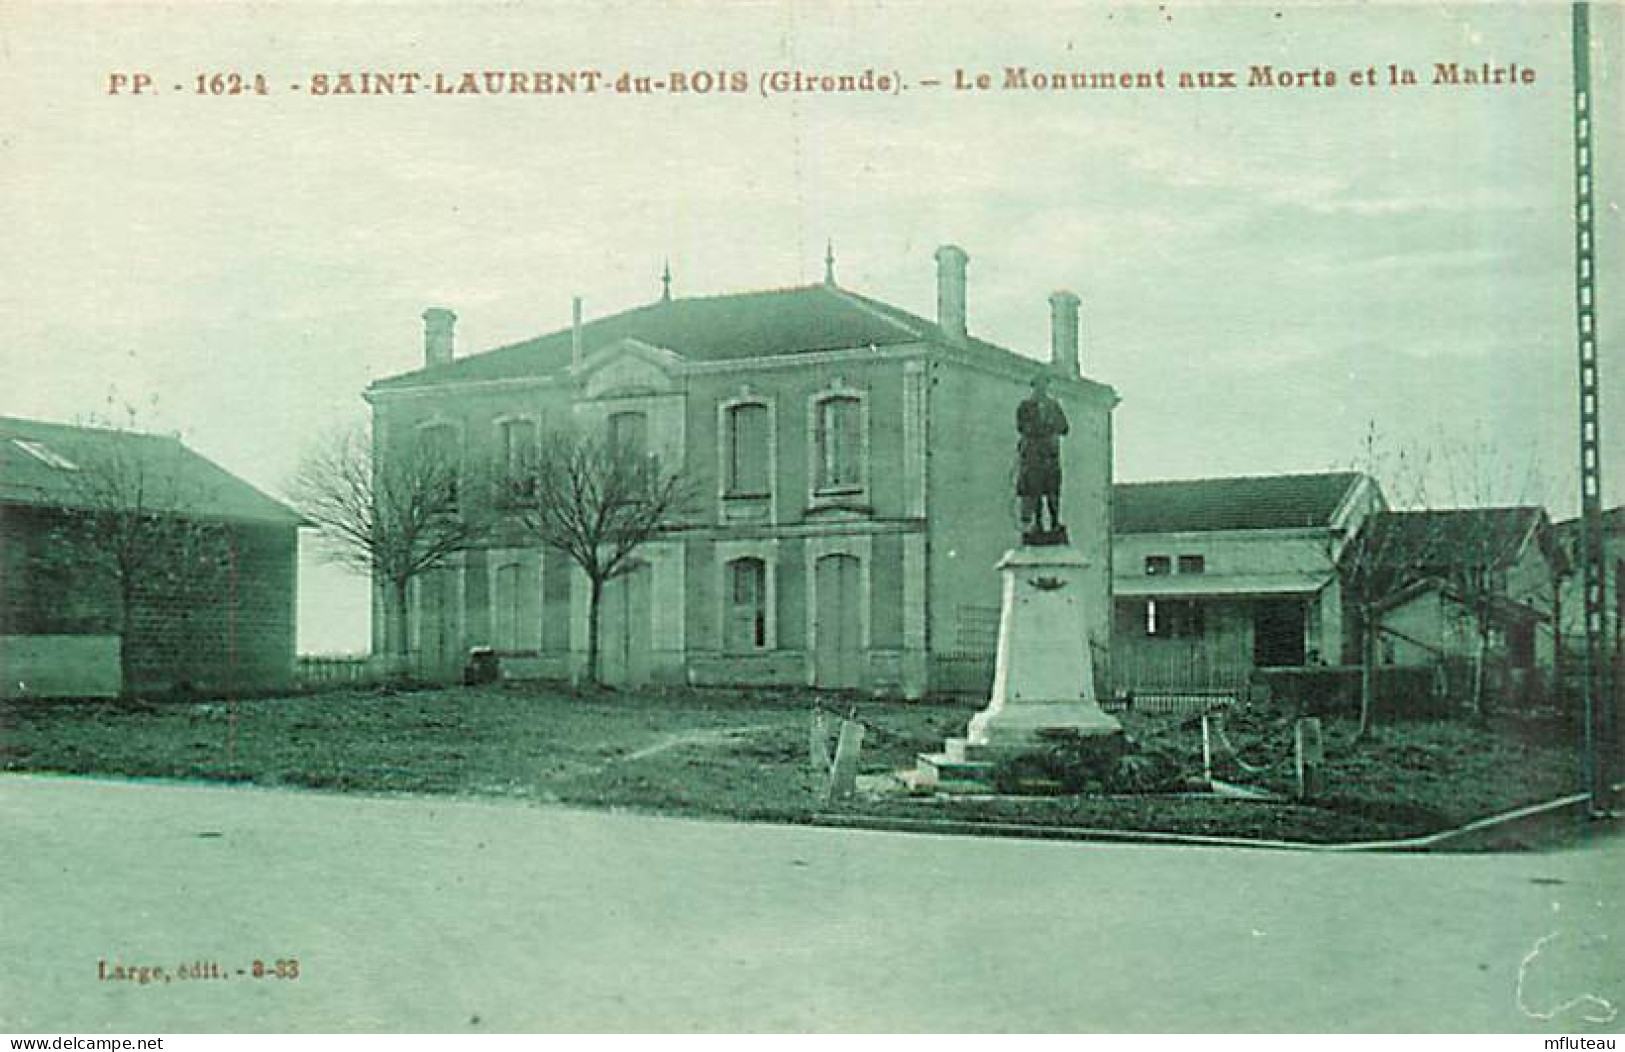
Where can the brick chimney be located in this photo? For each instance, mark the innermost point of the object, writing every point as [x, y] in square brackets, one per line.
[439, 327]
[1063, 334]
[951, 261]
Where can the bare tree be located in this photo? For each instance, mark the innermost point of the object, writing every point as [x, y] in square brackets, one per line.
[134, 517]
[1461, 543]
[1372, 563]
[393, 514]
[598, 504]
[1479, 476]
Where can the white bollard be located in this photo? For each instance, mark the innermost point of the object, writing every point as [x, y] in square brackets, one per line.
[1311, 757]
[818, 744]
[1207, 752]
[843, 781]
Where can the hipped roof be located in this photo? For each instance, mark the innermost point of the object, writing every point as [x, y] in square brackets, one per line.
[801, 320]
[1449, 540]
[1257, 502]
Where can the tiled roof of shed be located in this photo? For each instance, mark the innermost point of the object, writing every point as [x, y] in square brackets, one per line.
[1613, 521]
[1413, 543]
[42, 464]
[1261, 502]
[801, 320]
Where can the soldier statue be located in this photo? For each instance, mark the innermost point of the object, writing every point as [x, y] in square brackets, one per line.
[1040, 423]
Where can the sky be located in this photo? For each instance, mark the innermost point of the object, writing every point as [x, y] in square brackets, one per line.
[1267, 273]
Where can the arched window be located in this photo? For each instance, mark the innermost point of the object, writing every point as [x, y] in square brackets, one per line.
[748, 450]
[746, 624]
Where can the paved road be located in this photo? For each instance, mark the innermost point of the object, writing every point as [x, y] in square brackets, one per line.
[440, 915]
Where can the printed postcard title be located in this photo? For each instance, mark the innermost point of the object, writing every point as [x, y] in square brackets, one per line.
[770, 83]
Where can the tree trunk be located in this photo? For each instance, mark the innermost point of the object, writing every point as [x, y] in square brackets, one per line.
[126, 665]
[595, 597]
[1368, 661]
[1557, 640]
[401, 636]
[1480, 647]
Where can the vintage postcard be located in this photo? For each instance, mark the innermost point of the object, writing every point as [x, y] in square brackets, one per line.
[811, 516]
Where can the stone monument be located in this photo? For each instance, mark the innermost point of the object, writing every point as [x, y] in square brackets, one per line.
[1040, 424]
[1043, 677]
[1043, 680]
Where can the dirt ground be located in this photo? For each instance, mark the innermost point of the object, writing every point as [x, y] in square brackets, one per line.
[744, 755]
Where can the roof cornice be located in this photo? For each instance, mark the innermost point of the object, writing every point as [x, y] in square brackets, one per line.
[1256, 532]
[375, 394]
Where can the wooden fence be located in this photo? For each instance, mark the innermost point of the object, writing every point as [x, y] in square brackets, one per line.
[1173, 704]
[1147, 672]
[318, 671]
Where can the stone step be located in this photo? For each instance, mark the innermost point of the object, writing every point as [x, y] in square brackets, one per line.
[940, 772]
[970, 752]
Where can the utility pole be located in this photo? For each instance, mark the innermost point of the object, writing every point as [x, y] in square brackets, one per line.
[1601, 742]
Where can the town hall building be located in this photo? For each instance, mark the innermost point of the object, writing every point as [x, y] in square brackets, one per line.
[857, 466]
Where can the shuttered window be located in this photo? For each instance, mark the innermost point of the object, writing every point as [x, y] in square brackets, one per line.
[629, 433]
[518, 453]
[840, 447]
[747, 450]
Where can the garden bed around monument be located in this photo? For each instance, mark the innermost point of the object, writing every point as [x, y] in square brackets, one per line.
[744, 755]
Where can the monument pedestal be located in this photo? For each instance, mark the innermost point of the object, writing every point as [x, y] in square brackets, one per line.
[1043, 680]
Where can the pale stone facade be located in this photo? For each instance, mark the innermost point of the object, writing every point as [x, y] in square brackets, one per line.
[856, 465]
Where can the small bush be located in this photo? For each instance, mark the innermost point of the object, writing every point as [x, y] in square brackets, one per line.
[1034, 773]
[1146, 771]
[1093, 764]
[1068, 766]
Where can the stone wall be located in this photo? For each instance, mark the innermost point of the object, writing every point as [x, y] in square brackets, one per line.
[225, 622]
[59, 666]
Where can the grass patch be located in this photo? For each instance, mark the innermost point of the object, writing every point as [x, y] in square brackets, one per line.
[743, 755]
[1402, 780]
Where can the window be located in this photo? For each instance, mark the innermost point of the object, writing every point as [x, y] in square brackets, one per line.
[747, 605]
[1520, 643]
[439, 449]
[1158, 565]
[748, 450]
[629, 433]
[1170, 619]
[517, 441]
[518, 438]
[1192, 564]
[45, 454]
[839, 443]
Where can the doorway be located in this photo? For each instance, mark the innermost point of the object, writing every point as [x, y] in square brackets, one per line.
[838, 656]
[1278, 629]
[626, 629]
[438, 649]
